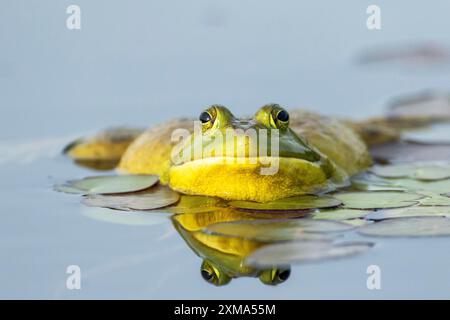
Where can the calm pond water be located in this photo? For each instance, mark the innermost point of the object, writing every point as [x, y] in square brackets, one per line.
[144, 63]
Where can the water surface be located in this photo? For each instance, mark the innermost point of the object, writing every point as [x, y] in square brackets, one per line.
[143, 63]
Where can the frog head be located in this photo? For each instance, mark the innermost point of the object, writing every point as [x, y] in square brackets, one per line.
[259, 159]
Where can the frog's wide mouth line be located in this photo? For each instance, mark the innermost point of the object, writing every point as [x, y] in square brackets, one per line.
[281, 178]
[264, 161]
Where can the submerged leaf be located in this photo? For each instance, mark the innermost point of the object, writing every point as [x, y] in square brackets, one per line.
[109, 184]
[194, 204]
[356, 222]
[417, 211]
[292, 203]
[408, 227]
[145, 200]
[377, 199]
[435, 200]
[339, 214]
[125, 218]
[278, 230]
[306, 251]
[66, 189]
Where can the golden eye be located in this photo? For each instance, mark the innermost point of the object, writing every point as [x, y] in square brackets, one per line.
[280, 117]
[208, 118]
[213, 274]
[275, 276]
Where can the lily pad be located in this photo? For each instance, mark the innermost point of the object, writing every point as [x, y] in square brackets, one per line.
[339, 214]
[306, 251]
[435, 200]
[430, 171]
[278, 230]
[377, 199]
[109, 184]
[141, 201]
[408, 227]
[292, 203]
[417, 211]
[357, 222]
[125, 218]
[194, 204]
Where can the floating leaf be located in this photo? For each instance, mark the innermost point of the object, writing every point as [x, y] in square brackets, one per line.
[109, 184]
[339, 214]
[436, 200]
[431, 171]
[278, 230]
[125, 218]
[417, 211]
[306, 251]
[356, 222]
[377, 199]
[292, 203]
[145, 200]
[194, 204]
[408, 227]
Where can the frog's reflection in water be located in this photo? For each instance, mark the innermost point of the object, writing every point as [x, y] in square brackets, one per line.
[224, 257]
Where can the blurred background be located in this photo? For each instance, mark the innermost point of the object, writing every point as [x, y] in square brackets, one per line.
[142, 62]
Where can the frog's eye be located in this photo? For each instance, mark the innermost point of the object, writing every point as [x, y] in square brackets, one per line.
[280, 117]
[208, 117]
[275, 276]
[273, 116]
[283, 116]
[213, 274]
[205, 117]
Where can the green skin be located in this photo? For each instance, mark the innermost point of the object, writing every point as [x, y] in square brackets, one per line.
[290, 145]
[203, 163]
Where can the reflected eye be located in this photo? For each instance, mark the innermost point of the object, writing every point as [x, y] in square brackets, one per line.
[283, 116]
[205, 117]
[275, 275]
[212, 274]
[284, 275]
[207, 275]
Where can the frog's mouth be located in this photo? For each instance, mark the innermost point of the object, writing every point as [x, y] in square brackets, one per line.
[257, 179]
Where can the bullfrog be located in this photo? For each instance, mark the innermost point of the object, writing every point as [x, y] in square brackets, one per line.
[273, 155]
